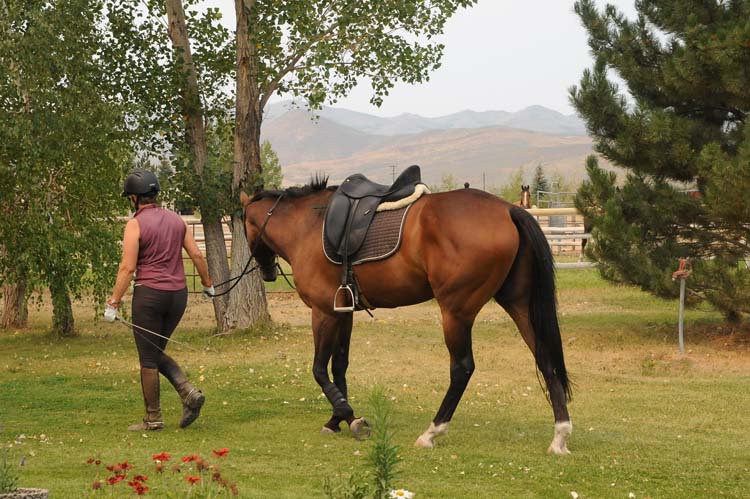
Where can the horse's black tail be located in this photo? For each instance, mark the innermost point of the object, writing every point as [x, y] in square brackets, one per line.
[543, 302]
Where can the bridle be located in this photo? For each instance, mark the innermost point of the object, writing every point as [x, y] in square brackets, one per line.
[247, 270]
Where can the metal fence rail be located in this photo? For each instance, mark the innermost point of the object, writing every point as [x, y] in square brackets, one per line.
[196, 228]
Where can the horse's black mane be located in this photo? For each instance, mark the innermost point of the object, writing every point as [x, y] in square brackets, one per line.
[317, 183]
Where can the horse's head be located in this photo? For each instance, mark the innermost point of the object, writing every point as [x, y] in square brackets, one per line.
[525, 197]
[257, 212]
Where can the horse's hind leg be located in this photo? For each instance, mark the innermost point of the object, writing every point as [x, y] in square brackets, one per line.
[457, 333]
[326, 333]
[518, 311]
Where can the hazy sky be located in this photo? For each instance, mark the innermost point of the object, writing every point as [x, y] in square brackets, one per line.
[499, 55]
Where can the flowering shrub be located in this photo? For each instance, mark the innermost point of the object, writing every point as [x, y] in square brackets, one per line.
[192, 477]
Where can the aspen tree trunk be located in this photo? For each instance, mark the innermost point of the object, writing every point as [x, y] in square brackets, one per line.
[15, 312]
[247, 302]
[62, 309]
[195, 134]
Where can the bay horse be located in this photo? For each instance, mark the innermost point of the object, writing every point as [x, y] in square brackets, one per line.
[463, 248]
[525, 201]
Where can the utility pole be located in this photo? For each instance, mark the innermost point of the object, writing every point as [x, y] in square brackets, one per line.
[393, 173]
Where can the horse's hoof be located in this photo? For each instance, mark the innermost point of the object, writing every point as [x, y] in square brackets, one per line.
[559, 445]
[427, 439]
[360, 428]
[327, 431]
[558, 451]
[424, 443]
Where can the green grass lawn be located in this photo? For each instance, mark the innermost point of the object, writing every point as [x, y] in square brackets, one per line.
[646, 421]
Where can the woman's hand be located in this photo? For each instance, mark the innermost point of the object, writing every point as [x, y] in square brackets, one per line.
[110, 312]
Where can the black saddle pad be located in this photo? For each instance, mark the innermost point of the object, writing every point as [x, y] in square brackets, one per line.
[382, 240]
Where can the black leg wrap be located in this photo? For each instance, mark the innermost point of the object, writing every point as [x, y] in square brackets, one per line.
[333, 424]
[341, 407]
[341, 385]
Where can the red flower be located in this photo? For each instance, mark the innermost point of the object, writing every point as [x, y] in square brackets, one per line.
[161, 457]
[98, 462]
[141, 489]
[115, 479]
[187, 459]
[114, 468]
[138, 487]
[221, 452]
[90, 460]
[216, 477]
[201, 465]
[125, 466]
[159, 468]
[140, 478]
[96, 485]
[234, 489]
[192, 480]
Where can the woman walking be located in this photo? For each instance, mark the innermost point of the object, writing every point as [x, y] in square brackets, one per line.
[152, 250]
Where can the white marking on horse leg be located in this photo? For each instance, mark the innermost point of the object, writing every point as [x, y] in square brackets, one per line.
[427, 439]
[559, 445]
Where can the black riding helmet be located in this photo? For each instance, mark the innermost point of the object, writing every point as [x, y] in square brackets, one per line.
[140, 182]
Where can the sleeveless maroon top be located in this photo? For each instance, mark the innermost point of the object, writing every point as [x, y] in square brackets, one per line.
[160, 249]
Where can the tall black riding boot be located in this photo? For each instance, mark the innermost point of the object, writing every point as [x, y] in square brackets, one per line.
[192, 398]
[150, 387]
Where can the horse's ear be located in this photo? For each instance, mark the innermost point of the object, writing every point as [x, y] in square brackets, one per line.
[244, 198]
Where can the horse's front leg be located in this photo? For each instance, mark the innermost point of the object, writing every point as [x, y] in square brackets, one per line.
[339, 365]
[330, 332]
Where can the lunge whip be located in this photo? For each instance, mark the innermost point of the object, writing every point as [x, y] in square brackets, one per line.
[155, 334]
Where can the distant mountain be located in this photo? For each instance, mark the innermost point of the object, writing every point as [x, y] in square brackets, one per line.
[296, 137]
[534, 118]
[471, 154]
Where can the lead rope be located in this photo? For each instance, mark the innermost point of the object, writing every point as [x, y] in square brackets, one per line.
[245, 271]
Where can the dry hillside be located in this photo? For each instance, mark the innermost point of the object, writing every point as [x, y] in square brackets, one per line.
[306, 146]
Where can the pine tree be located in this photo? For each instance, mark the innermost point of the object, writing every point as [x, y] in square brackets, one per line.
[539, 183]
[684, 126]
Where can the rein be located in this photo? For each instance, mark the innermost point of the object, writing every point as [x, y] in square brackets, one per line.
[281, 271]
[245, 271]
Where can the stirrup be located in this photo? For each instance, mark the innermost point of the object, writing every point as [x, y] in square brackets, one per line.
[348, 289]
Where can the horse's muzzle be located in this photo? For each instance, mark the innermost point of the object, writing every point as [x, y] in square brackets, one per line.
[269, 275]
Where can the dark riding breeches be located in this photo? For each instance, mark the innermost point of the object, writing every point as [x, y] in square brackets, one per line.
[158, 311]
